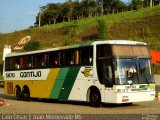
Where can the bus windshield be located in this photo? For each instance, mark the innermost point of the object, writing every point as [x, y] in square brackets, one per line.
[124, 71]
[132, 71]
[145, 70]
[123, 65]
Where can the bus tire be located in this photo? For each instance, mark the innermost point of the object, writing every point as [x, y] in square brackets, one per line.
[18, 93]
[95, 98]
[127, 104]
[26, 94]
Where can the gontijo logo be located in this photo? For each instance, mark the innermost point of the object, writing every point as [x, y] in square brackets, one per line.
[87, 71]
[24, 40]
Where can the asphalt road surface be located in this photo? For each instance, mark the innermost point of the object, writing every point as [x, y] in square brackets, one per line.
[50, 109]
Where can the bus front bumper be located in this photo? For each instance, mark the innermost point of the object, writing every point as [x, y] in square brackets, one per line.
[129, 97]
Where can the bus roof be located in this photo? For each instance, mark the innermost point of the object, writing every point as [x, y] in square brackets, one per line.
[120, 42]
[123, 42]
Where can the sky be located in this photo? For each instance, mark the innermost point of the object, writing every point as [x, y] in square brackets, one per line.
[20, 14]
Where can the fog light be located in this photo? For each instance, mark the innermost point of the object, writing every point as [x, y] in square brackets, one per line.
[125, 100]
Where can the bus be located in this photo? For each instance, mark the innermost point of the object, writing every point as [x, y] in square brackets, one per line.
[112, 71]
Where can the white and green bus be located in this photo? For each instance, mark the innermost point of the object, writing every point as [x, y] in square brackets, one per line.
[113, 71]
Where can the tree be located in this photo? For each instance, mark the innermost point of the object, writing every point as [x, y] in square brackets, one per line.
[146, 3]
[49, 14]
[32, 45]
[107, 6]
[151, 3]
[70, 10]
[118, 6]
[136, 4]
[55, 13]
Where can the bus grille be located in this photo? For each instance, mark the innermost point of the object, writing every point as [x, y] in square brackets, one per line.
[10, 87]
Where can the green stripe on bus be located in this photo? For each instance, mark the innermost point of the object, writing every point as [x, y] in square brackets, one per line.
[74, 46]
[81, 45]
[58, 83]
[143, 86]
[85, 44]
[68, 83]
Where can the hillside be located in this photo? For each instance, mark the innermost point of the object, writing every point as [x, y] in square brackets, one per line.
[141, 25]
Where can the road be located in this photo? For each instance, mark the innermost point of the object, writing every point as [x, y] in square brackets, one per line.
[147, 110]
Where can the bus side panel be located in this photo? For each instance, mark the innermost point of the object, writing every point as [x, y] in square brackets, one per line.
[9, 88]
[11, 84]
[58, 83]
[68, 83]
[43, 88]
[37, 88]
[81, 85]
[83, 82]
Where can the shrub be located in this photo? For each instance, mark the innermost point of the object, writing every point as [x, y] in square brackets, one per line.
[32, 45]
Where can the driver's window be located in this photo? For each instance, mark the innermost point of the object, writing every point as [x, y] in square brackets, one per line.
[108, 71]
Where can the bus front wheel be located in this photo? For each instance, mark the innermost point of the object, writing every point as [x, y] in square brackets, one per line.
[95, 98]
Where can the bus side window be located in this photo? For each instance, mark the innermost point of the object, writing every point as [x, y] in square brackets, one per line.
[72, 58]
[44, 60]
[15, 63]
[67, 58]
[12, 63]
[77, 60]
[51, 59]
[40, 61]
[17, 66]
[58, 59]
[7, 64]
[87, 55]
[21, 62]
[54, 59]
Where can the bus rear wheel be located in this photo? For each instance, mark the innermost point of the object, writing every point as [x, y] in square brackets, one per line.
[26, 94]
[18, 93]
[95, 98]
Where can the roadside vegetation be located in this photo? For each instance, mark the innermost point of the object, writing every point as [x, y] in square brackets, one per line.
[140, 25]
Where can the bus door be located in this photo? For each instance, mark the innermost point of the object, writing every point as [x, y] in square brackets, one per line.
[106, 76]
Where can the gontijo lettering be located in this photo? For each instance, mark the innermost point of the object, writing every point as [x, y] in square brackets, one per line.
[30, 74]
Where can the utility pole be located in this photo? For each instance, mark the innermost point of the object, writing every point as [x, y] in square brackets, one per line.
[102, 9]
[39, 19]
[151, 3]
